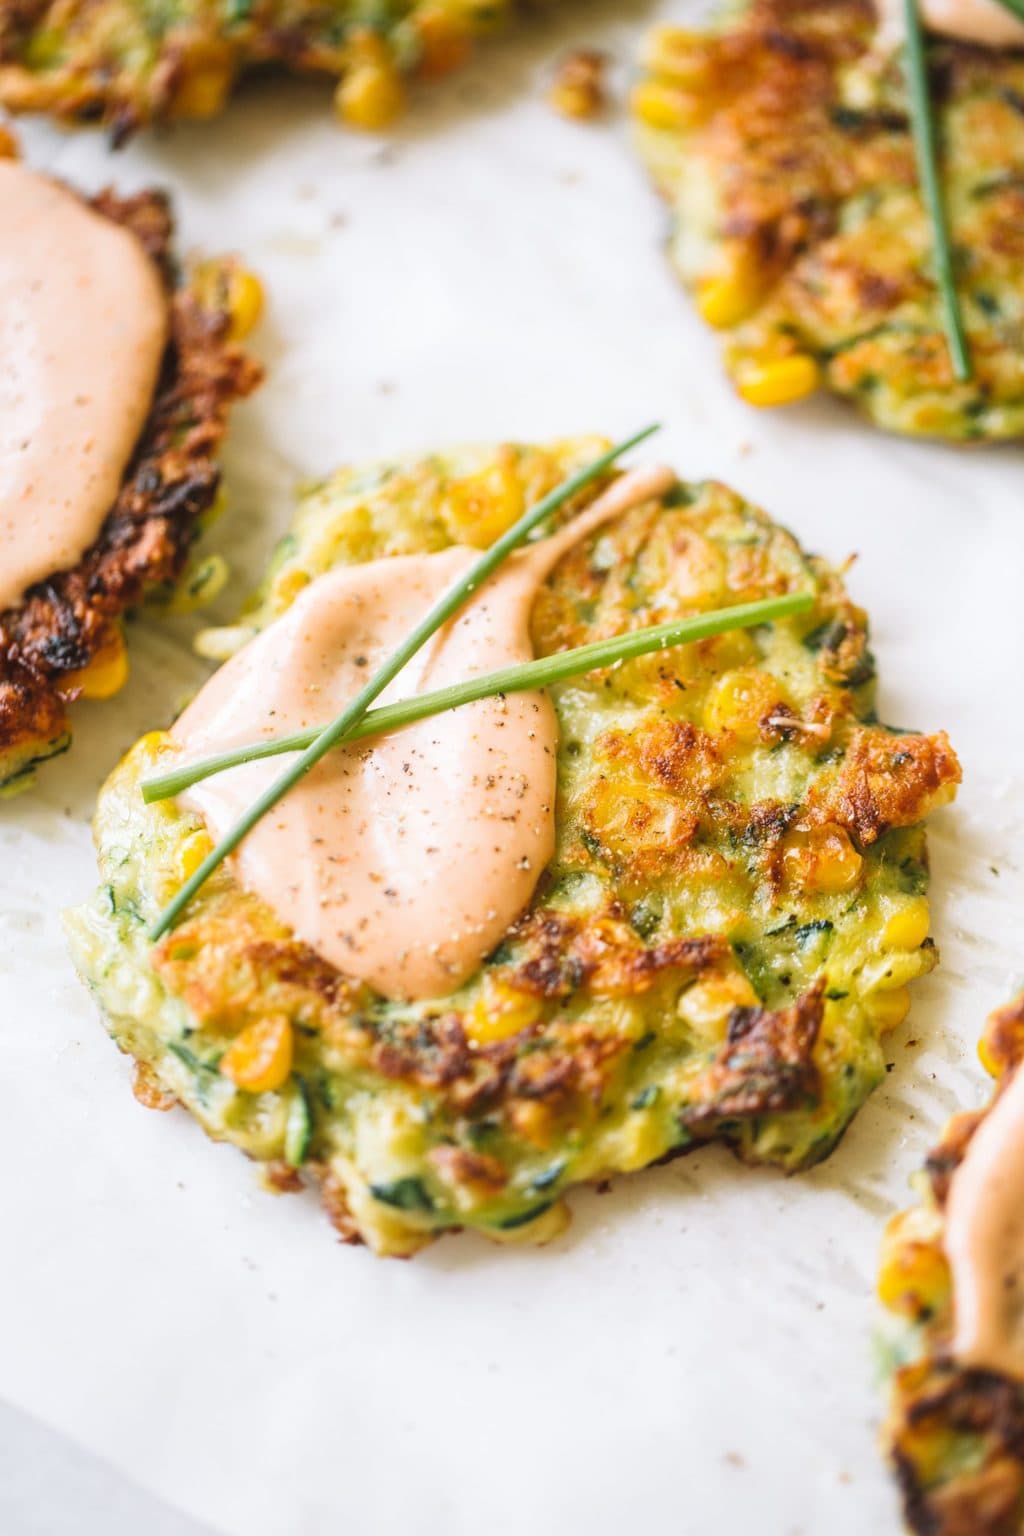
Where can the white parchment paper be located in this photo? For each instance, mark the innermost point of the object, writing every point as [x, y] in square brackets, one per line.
[695, 1355]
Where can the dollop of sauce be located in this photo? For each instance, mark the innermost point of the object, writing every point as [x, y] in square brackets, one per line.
[969, 21]
[985, 1239]
[83, 325]
[401, 860]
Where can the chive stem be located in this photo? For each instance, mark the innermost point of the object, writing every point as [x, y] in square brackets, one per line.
[518, 679]
[922, 118]
[353, 712]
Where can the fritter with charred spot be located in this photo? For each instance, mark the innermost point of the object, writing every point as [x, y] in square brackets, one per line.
[64, 640]
[781, 140]
[126, 64]
[728, 926]
[954, 1433]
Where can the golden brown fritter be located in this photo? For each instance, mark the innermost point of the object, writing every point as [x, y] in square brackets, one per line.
[64, 639]
[781, 139]
[729, 924]
[954, 1435]
[127, 63]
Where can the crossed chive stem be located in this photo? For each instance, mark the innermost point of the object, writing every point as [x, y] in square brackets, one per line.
[357, 721]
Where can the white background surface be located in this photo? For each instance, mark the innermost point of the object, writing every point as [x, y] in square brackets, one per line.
[695, 1354]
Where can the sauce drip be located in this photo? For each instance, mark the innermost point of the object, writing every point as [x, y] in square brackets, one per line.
[83, 325]
[985, 1239]
[401, 860]
[969, 21]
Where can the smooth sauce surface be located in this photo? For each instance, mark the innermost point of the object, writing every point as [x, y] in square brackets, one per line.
[971, 21]
[83, 324]
[985, 1239]
[402, 860]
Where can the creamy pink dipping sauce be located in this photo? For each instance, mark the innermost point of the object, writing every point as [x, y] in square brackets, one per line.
[83, 325]
[972, 21]
[403, 860]
[985, 1239]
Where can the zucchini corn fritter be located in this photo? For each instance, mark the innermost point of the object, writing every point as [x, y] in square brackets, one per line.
[781, 140]
[127, 64]
[954, 1434]
[64, 640]
[734, 910]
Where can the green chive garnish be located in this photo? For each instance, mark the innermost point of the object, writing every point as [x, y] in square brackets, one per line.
[518, 679]
[922, 120]
[350, 716]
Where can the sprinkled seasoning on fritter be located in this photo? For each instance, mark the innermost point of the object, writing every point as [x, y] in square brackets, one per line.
[127, 64]
[955, 1427]
[781, 139]
[735, 906]
[63, 639]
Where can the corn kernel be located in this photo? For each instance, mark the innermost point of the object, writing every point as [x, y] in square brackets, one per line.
[913, 1278]
[500, 1011]
[148, 1091]
[821, 859]
[190, 855]
[533, 1121]
[705, 1007]
[725, 652]
[244, 301]
[778, 381]
[288, 585]
[105, 675]
[680, 55]
[227, 287]
[370, 96]
[888, 1009]
[478, 509]
[578, 90]
[260, 1058]
[663, 106]
[726, 298]
[444, 45]
[206, 80]
[739, 700]
[993, 1066]
[907, 928]
[150, 743]
[723, 301]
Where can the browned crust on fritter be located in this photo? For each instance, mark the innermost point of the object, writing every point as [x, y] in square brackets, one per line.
[983, 1502]
[887, 781]
[765, 1064]
[559, 954]
[171, 482]
[773, 138]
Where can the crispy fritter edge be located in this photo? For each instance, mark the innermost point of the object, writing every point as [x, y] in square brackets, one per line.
[66, 621]
[198, 59]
